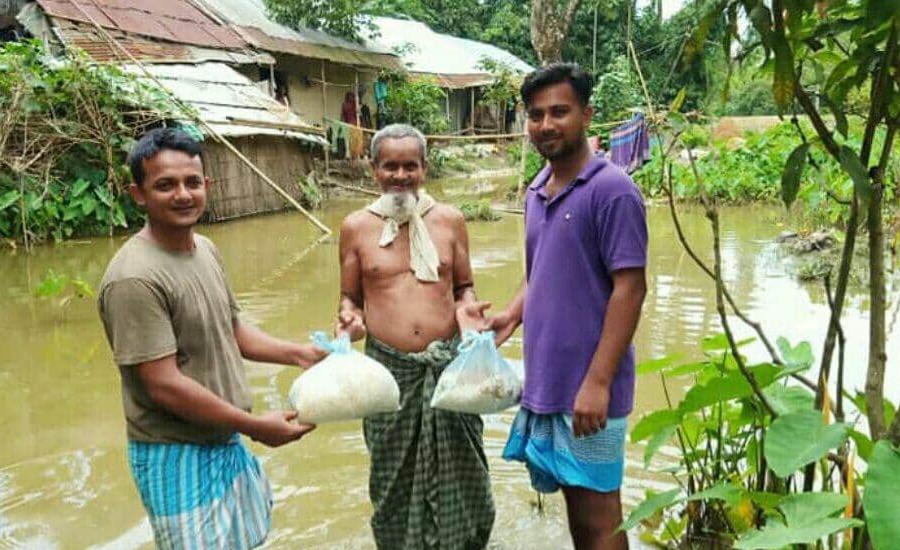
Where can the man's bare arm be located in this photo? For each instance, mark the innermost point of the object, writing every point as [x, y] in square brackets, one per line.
[351, 319]
[469, 311]
[256, 345]
[182, 396]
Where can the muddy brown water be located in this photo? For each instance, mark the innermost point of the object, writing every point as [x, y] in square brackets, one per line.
[64, 481]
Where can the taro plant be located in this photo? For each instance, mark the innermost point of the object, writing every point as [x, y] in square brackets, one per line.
[768, 464]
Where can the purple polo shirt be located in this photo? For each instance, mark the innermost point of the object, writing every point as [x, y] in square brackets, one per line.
[573, 242]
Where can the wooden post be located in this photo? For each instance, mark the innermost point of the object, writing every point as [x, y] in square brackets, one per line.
[472, 109]
[325, 120]
[271, 80]
[356, 95]
[447, 108]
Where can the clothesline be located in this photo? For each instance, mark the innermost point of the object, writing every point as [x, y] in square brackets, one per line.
[436, 137]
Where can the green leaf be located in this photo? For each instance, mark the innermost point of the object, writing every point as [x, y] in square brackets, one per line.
[654, 422]
[678, 101]
[800, 508]
[79, 187]
[776, 536]
[720, 341]
[789, 399]
[840, 119]
[881, 499]
[88, 205]
[689, 368]
[790, 177]
[656, 365]
[783, 82]
[658, 440]
[104, 195]
[8, 199]
[800, 356]
[651, 505]
[796, 439]
[852, 164]
[724, 491]
[723, 388]
[766, 501]
[864, 445]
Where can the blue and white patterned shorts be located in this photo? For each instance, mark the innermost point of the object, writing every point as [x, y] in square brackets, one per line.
[556, 458]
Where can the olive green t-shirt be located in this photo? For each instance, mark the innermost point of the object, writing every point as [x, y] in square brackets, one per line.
[155, 303]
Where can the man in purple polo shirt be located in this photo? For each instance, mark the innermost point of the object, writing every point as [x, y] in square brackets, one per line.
[586, 249]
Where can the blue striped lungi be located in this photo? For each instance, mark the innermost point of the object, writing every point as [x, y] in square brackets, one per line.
[556, 458]
[202, 496]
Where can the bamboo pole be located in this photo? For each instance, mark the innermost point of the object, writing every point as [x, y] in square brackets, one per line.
[212, 131]
[472, 110]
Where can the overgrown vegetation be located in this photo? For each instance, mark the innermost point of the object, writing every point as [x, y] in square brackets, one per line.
[415, 100]
[749, 169]
[478, 210]
[66, 125]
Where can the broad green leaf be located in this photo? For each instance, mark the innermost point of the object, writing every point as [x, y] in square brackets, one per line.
[796, 439]
[82, 288]
[656, 365]
[766, 501]
[8, 199]
[104, 195]
[852, 164]
[790, 177]
[654, 422]
[789, 399]
[776, 536]
[653, 504]
[783, 82]
[724, 388]
[800, 508]
[727, 492]
[689, 368]
[881, 499]
[864, 445]
[658, 440]
[720, 341]
[79, 187]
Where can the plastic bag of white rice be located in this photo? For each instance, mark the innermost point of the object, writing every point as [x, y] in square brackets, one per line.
[479, 380]
[343, 386]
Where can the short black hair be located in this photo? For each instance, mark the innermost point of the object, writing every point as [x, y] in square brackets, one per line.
[555, 73]
[157, 140]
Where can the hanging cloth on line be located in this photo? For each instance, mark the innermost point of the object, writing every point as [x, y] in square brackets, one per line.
[629, 144]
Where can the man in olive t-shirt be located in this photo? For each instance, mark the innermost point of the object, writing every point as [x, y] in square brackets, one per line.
[173, 325]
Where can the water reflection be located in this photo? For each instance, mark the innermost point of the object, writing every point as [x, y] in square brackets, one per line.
[63, 476]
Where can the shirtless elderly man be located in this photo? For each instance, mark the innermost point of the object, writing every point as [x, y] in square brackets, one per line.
[406, 284]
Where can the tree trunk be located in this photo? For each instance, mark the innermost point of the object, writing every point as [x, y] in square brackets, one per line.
[550, 22]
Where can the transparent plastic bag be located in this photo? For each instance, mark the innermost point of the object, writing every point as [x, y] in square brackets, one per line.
[479, 380]
[343, 386]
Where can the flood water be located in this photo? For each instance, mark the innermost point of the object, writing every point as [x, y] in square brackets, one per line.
[64, 481]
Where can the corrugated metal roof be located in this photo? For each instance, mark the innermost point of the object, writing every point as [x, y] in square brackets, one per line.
[251, 20]
[172, 20]
[230, 102]
[86, 37]
[453, 60]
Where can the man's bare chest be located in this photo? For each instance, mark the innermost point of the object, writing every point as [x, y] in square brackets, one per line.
[388, 261]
